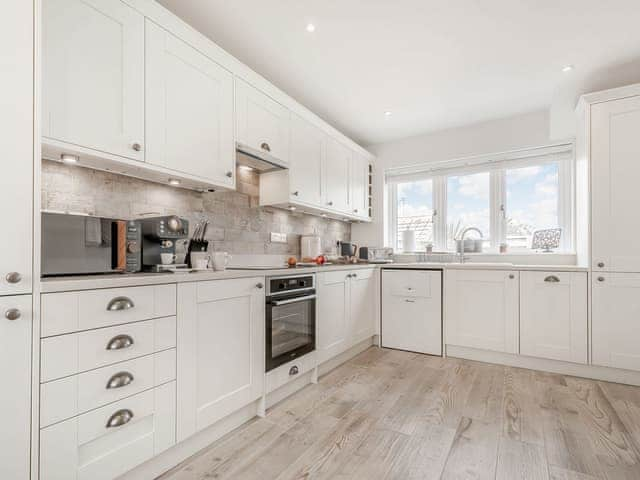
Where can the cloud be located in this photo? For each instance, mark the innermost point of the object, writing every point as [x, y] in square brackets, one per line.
[476, 185]
[525, 173]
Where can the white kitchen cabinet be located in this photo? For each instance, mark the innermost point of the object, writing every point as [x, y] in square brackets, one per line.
[615, 149]
[15, 399]
[333, 313]
[362, 305]
[221, 341]
[189, 109]
[615, 325]
[16, 142]
[412, 310]
[553, 315]
[481, 309]
[93, 75]
[358, 185]
[262, 124]
[336, 171]
[346, 310]
[105, 443]
[307, 154]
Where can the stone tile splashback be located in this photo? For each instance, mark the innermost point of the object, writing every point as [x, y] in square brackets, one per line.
[237, 224]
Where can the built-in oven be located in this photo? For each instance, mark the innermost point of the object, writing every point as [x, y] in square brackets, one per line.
[290, 318]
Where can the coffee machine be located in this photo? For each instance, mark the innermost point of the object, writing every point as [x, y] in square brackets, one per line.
[160, 236]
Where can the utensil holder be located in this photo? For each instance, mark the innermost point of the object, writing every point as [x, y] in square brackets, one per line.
[195, 246]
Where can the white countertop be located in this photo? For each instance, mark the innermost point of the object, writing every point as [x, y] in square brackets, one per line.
[92, 282]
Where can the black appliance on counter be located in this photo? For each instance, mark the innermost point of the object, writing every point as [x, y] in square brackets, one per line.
[290, 318]
[82, 245]
[160, 236]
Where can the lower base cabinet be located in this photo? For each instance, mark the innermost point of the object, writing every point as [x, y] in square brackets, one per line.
[347, 306]
[615, 320]
[221, 350]
[553, 315]
[481, 309]
[109, 441]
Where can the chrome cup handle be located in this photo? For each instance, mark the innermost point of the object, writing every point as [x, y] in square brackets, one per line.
[121, 417]
[119, 380]
[120, 303]
[119, 342]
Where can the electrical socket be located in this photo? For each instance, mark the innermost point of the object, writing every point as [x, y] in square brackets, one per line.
[278, 237]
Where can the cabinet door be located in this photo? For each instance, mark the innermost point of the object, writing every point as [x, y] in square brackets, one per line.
[362, 305]
[16, 142]
[359, 182]
[262, 124]
[307, 152]
[615, 325]
[553, 315]
[221, 360]
[93, 75]
[336, 176]
[189, 109]
[15, 400]
[481, 309]
[615, 149]
[333, 311]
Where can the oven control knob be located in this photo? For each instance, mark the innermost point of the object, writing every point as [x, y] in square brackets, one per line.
[133, 247]
[301, 283]
[281, 286]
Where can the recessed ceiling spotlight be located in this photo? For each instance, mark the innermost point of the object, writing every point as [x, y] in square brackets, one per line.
[292, 208]
[387, 113]
[69, 159]
[324, 215]
[567, 68]
[174, 181]
[311, 27]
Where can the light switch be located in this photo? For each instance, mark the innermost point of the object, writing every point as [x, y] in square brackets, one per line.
[278, 237]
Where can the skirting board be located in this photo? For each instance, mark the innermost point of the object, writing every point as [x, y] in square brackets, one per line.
[194, 444]
[594, 372]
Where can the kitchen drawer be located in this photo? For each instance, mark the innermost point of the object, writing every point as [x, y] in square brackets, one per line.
[329, 278]
[70, 396]
[66, 355]
[284, 374]
[409, 283]
[76, 311]
[86, 448]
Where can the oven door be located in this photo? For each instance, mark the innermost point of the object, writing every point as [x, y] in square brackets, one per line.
[290, 328]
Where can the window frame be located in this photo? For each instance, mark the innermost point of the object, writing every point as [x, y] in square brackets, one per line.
[497, 198]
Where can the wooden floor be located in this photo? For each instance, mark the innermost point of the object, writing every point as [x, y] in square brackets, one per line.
[391, 414]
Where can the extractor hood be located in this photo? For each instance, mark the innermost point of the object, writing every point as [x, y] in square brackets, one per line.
[259, 160]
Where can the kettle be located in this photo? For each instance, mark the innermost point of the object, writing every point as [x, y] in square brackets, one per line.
[348, 249]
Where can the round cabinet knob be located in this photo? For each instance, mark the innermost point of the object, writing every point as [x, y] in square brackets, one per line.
[355, 210]
[601, 279]
[600, 264]
[12, 314]
[296, 193]
[330, 203]
[260, 286]
[512, 276]
[136, 146]
[265, 146]
[13, 277]
[229, 174]
[133, 247]
[294, 370]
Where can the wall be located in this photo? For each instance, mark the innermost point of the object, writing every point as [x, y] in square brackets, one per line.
[238, 224]
[495, 136]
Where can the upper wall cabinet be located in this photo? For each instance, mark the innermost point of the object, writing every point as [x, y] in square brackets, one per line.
[615, 150]
[16, 140]
[93, 75]
[307, 154]
[189, 109]
[262, 124]
[358, 185]
[336, 175]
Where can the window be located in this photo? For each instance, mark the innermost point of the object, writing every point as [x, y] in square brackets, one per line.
[507, 197]
[415, 211]
[467, 205]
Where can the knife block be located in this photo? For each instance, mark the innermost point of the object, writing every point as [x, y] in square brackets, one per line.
[195, 246]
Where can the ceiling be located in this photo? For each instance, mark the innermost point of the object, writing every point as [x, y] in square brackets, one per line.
[433, 64]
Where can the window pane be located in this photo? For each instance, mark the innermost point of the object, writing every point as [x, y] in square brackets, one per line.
[415, 211]
[468, 206]
[532, 202]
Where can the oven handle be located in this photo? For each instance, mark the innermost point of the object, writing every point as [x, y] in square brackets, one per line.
[277, 303]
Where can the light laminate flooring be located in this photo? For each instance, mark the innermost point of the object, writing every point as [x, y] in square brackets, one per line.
[387, 414]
